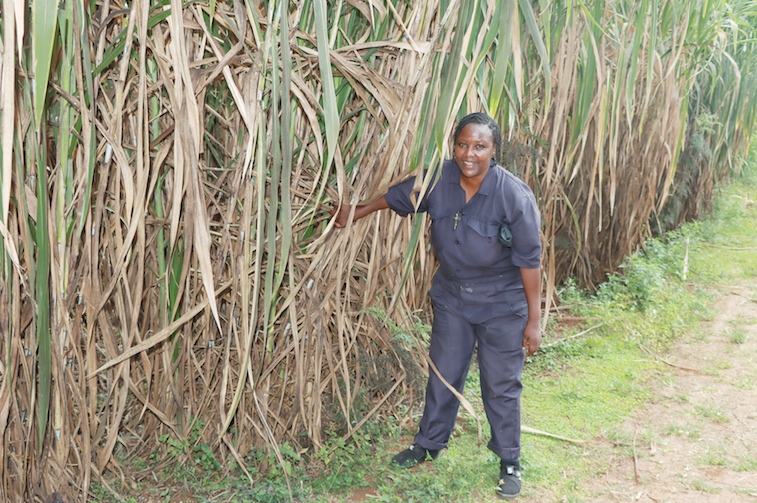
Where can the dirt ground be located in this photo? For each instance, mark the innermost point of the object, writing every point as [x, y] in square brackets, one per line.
[696, 441]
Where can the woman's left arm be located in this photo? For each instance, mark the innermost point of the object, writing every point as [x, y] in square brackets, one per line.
[532, 286]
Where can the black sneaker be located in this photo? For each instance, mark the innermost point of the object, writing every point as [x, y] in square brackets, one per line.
[509, 482]
[413, 455]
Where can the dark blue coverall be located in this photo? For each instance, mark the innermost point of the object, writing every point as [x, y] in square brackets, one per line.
[478, 298]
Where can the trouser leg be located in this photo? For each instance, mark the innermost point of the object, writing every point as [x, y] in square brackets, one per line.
[452, 344]
[500, 360]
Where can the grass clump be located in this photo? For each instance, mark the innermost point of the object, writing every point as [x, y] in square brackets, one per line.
[746, 462]
[714, 455]
[736, 335]
[711, 411]
[692, 432]
[700, 485]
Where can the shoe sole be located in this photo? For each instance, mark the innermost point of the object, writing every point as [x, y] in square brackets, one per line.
[507, 496]
[405, 466]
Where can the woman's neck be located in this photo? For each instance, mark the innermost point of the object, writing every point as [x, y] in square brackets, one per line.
[470, 186]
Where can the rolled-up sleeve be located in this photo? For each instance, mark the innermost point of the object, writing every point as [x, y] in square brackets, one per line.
[399, 197]
[524, 225]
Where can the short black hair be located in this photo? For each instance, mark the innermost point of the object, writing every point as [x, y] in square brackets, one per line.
[482, 118]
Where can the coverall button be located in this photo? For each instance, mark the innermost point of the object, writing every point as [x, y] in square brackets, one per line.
[457, 242]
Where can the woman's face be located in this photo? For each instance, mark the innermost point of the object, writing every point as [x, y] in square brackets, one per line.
[474, 148]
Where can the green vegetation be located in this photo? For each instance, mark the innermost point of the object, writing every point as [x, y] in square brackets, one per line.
[699, 485]
[737, 335]
[688, 430]
[713, 455]
[712, 412]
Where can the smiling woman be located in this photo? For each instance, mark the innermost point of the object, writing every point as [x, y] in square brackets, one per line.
[486, 295]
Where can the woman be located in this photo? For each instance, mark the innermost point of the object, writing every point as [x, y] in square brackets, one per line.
[485, 293]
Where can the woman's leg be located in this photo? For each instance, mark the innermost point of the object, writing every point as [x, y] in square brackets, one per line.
[500, 360]
[452, 344]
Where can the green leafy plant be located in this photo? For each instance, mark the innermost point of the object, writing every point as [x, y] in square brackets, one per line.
[736, 335]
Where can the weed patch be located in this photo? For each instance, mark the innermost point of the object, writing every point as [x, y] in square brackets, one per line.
[692, 432]
[713, 412]
[700, 485]
[737, 335]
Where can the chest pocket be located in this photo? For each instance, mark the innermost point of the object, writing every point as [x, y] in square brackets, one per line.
[485, 229]
[484, 239]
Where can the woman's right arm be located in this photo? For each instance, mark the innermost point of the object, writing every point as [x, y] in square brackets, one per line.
[343, 211]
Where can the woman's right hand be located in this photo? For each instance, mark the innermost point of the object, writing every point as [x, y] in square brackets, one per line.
[342, 213]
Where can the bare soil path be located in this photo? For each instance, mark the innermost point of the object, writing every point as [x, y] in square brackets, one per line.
[696, 441]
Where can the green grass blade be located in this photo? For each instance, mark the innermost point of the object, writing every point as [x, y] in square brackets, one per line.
[66, 117]
[651, 51]
[45, 18]
[273, 206]
[285, 222]
[635, 55]
[44, 356]
[506, 8]
[450, 70]
[533, 28]
[90, 139]
[331, 116]
[491, 34]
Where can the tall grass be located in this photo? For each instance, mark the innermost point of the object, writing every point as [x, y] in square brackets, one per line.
[168, 260]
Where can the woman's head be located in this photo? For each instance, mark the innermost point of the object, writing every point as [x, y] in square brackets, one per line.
[484, 120]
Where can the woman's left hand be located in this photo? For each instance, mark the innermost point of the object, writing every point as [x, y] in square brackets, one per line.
[532, 288]
[531, 337]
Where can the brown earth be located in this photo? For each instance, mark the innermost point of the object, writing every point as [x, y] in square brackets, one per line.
[696, 441]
